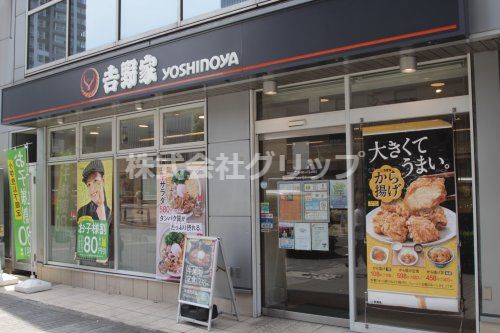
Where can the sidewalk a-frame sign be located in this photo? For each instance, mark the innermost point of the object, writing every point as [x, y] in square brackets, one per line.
[203, 261]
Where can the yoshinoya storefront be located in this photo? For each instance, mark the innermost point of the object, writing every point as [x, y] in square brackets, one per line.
[334, 159]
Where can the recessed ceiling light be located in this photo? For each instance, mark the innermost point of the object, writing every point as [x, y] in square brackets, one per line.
[437, 84]
[94, 133]
[143, 126]
[138, 106]
[176, 114]
[201, 117]
[324, 100]
[438, 91]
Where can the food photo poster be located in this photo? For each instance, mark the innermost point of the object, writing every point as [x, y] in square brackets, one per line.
[181, 191]
[411, 222]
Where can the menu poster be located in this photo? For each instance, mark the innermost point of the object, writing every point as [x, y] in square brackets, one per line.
[411, 222]
[338, 194]
[302, 232]
[181, 189]
[198, 270]
[289, 202]
[319, 236]
[286, 236]
[316, 205]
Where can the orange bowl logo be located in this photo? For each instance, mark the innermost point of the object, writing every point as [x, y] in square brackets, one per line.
[89, 83]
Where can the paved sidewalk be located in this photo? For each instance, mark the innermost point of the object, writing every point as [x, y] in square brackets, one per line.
[71, 307]
[26, 316]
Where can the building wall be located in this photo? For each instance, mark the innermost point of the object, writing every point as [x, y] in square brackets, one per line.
[484, 16]
[487, 118]
[229, 200]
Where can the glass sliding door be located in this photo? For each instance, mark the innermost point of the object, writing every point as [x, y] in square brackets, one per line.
[303, 218]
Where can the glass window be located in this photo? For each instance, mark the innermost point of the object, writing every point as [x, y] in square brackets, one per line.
[97, 138]
[141, 16]
[92, 24]
[192, 8]
[63, 142]
[137, 132]
[28, 137]
[45, 42]
[321, 97]
[420, 319]
[36, 3]
[429, 82]
[137, 229]
[63, 201]
[183, 126]
[310, 271]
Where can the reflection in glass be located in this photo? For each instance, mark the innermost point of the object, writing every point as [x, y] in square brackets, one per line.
[429, 82]
[137, 228]
[47, 35]
[137, 132]
[296, 101]
[183, 126]
[62, 227]
[92, 24]
[140, 16]
[192, 8]
[35, 3]
[96, 138]
[316, 280]
[62, 142]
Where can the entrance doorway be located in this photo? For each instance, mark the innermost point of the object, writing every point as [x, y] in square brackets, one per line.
[304, 230]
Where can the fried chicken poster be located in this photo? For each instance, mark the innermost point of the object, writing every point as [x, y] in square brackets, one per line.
[411, 223]
[181, 210]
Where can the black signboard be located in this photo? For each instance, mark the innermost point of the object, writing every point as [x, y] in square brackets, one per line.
[257, 43]
[200, 258]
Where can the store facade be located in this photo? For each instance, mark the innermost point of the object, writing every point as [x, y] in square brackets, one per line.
[302, 154]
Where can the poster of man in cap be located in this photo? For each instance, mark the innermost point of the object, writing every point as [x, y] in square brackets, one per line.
[94, 218]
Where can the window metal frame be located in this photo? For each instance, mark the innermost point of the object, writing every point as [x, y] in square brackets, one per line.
[166, 29]
[32, 12]
[390, 112]
[138, 115]
[97, 122]
[51, 130]
[217, 12]
[182, 107]
[93, 50]
[117, 154]
[117, 216]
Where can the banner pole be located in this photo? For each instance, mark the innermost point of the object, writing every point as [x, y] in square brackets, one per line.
[32, 252]
[33, 284]
[23, 145]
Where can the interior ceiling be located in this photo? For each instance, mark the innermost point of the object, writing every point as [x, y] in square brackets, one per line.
[423, 54]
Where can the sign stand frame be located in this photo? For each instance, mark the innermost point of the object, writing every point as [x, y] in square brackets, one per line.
[215, 268]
